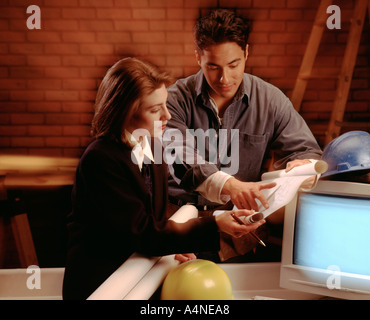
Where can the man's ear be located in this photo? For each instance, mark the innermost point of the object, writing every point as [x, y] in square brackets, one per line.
[246, 52]
[197, 56]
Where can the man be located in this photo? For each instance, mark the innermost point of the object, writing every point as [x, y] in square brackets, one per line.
[241, 117]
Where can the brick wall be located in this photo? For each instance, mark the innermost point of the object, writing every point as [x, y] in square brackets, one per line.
[49, 77]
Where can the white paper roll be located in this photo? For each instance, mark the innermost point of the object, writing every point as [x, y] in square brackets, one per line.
[310, 169]
[121, 282]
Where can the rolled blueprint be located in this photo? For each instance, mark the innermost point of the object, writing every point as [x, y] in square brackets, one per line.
[310, 169]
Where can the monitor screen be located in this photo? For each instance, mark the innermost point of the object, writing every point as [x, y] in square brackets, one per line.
[327, 239]
[333, 231]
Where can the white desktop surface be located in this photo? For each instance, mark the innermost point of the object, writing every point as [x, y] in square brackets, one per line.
[249, 281]
[260, 280]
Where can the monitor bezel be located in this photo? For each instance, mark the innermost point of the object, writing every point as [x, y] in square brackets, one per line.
[299, 278]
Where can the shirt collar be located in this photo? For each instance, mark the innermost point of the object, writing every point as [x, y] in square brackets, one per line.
[201, 87]
[141, 150]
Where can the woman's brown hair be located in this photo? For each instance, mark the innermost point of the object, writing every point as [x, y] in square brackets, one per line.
[120, 94]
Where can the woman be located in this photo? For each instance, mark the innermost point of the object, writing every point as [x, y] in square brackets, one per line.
[116, 209]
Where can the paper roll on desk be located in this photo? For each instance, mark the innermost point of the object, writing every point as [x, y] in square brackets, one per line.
[140, 276]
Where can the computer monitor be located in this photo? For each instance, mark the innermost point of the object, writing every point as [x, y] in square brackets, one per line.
[326, 241]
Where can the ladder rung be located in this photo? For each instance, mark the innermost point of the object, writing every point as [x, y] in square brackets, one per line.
[318, 76]
[356, 124]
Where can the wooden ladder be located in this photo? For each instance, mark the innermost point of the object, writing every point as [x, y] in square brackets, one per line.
[346, 72]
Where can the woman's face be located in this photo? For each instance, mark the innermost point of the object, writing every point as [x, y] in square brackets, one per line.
[153, 113]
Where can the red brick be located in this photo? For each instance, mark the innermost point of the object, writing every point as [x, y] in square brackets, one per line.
[269, 72]
[284, 61]
[26, 48]
[303, 4]
[43, 36]
[201, 3]
[29, 142]
[169, 49]
[60, 25]
[45, 130]
[4, 143]
[27, 118]
[269, 4]
[133, 3]
[148, 37]
[68, 142]
[77, 107]
[166, 25]
[113, 37]
[42, 106]
[114, 13]
[62, 72]
[79, 61]
[26, 95]
[152, 14]
[12, 12]
[78, 84]
[87, 95]
[93, 72]
[127, 25]
[12, 84]
[26, 72]
[96, 3]
[97, 25]
[266, 49]
[13, 130]
[66, 3]
[44, 84]
[62, 119]
[164, 3]
[61, 95]
[286, 14]
[61, 48]
[13, 60]
[8, 106]
[78, 13]
[285, 37]
[44, 60]
[175, 37]
[76, 130]
[49, 152]
[257, 61]
[273, 26]
[79, 37]
[96, 48]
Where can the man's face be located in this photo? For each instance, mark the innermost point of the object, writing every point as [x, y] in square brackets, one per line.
[223, 67]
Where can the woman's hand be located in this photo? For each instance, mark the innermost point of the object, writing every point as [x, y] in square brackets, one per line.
[226, 223]
[183, 257]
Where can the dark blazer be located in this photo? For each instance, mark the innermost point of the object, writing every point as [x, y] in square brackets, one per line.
[113, 216]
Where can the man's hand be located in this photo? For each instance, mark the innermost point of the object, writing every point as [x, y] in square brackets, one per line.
[296, 163]
[309, 182]
[244, 194]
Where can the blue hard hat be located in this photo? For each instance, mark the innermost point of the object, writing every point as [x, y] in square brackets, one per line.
[348, 152]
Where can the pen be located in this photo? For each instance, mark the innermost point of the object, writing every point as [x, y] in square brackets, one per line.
[252, 233]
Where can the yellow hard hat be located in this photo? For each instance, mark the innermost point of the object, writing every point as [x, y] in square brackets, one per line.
[197, 280]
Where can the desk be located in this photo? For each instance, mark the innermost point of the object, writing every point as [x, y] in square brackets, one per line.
[20, 172]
